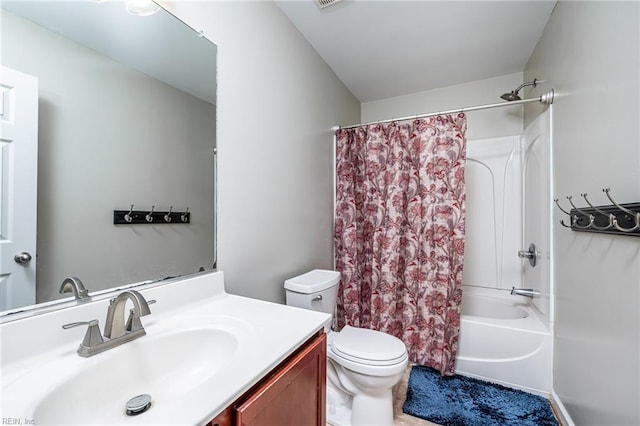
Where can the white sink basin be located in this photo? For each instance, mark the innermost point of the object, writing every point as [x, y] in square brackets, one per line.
[166, 367]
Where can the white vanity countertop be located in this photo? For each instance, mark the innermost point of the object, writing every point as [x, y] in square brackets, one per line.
[203, 349]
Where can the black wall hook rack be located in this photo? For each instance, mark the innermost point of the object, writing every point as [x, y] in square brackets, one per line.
[614, 218]
[582, 223]
[150, 217]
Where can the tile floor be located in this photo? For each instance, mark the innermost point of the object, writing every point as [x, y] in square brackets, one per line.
[399, 395]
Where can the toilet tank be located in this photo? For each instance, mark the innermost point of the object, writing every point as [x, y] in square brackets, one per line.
[316, 290]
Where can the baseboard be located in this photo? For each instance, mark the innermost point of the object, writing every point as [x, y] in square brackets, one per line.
[560, 410]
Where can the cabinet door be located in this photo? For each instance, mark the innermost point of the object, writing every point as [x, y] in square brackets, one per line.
[294, 395]
[223, 419]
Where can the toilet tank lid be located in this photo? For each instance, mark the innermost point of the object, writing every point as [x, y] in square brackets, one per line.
[313, 281]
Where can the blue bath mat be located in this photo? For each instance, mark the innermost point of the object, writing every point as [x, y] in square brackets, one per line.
[463, 401]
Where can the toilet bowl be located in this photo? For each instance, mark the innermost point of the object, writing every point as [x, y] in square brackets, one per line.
[362, 368]
[362, 365]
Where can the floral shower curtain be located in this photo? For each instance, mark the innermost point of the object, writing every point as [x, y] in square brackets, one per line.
[399, 232]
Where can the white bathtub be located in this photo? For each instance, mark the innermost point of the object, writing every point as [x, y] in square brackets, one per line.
[503, 339]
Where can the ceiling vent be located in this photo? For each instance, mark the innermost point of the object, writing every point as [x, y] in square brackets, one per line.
[326, 3]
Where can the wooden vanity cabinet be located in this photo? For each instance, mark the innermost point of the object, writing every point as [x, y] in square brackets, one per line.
[293, 394]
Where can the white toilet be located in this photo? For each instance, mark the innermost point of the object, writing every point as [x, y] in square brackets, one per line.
[363, 365]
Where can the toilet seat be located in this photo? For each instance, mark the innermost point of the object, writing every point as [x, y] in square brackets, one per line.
[366, 361]
[367, 351]
[368, 346]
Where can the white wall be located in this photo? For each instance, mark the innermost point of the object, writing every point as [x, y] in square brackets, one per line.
[491, 123]
[590, 51]
[277, 102]
[102, 147]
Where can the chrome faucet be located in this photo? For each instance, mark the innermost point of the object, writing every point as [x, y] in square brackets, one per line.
[117, 331]
[527, 292]
[115, 325]
[73, 284]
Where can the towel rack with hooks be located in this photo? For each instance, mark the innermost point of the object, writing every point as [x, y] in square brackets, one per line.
[613, 218]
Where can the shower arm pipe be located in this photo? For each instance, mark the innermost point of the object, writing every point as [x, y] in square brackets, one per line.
[529, 83]
[545, 98]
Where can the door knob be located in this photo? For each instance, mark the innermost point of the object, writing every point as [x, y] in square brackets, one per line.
[22, 258]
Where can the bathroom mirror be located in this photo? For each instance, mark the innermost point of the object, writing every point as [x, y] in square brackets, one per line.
[126, 116]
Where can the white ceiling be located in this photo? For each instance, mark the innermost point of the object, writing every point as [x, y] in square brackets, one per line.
[380, 49]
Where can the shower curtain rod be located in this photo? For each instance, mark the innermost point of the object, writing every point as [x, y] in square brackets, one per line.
[545, 98]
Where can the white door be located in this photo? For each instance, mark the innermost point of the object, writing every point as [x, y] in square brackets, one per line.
[18, 183]
[536, 150]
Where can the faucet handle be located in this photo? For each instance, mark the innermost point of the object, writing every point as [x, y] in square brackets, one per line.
[92, 337]
[133, 322]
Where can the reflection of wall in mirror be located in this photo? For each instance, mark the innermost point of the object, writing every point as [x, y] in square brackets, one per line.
[109, 137]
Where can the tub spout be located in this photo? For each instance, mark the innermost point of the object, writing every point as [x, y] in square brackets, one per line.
[527, 292]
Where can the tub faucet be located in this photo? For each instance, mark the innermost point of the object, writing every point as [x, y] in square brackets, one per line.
[527, 292]
[116, 331]
[73, 284]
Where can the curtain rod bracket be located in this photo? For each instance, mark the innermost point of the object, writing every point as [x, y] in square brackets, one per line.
[548, 97]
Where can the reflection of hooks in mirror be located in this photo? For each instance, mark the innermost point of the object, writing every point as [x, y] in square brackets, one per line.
[129, 217]
[149, 216]
[167, 217]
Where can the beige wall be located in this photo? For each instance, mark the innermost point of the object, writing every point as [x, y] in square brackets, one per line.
[490, 123]
[589, 52]
[277, 102]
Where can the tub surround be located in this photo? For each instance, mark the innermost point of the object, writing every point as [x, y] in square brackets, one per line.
[504, 339]
[41, 369]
